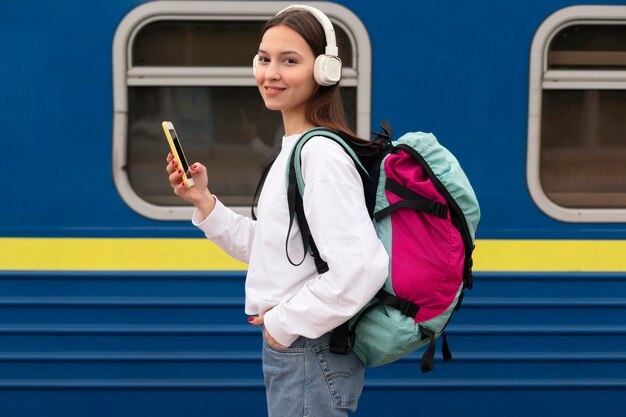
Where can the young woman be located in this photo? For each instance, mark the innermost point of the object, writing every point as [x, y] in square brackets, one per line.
[296, 306]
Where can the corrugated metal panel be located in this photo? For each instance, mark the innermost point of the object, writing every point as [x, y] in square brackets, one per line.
[77, 344]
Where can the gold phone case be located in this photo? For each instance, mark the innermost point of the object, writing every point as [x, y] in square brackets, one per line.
[177, 151]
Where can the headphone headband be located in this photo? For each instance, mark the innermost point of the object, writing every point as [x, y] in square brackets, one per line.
[329, 30]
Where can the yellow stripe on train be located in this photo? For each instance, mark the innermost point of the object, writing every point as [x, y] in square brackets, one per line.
[96, 254]
[90, 254]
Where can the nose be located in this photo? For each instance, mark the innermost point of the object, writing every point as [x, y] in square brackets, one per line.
[273, 71]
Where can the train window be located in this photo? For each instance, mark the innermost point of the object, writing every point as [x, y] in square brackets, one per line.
[585, 46]
[185, 43]
[163, 70]
[576, 165]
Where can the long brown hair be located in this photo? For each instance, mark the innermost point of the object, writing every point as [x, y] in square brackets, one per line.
[325, 107]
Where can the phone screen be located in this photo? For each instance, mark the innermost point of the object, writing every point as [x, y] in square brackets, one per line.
[179, 149]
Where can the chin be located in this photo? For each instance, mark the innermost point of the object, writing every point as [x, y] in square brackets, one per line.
[272, 106]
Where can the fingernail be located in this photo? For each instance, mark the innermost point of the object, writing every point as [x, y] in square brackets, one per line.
[193, 166]
[180, 171]
[250, 319]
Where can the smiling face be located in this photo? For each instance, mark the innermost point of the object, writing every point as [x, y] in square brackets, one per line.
[284, 73]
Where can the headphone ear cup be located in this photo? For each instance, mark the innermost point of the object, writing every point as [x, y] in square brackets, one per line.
[327, 70]
[255, 62]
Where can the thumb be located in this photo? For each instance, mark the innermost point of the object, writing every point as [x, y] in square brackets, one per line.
[199, 174]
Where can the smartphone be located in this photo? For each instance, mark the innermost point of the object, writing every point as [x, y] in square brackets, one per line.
[177, 151]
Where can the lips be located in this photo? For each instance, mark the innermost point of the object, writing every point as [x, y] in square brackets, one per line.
[272, 90]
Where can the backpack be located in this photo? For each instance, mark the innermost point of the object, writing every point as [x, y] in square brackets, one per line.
[425, 212]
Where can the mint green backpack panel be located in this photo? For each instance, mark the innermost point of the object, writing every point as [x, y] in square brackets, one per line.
[385, 335]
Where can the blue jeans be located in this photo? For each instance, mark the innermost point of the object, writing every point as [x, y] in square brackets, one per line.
[307, 380]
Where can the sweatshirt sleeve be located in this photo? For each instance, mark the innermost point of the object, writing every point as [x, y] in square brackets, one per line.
[228, 230]
[344, 234]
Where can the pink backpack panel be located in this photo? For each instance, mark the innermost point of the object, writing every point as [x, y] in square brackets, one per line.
[424, 271]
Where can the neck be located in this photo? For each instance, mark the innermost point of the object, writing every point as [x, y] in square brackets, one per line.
[296, 123]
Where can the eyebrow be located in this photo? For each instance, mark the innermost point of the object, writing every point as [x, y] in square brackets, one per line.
[262, 51]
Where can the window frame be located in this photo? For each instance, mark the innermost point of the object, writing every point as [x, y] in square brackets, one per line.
[540, 79]
[125, 76]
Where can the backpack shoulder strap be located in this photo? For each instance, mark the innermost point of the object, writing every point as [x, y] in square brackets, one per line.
[295, 159]
[259, 186]
[295, 191]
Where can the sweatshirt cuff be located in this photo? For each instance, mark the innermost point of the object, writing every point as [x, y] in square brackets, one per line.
[272, 323]
[215, 223]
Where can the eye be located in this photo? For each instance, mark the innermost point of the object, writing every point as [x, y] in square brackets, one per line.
[290, 61]
[264, 59]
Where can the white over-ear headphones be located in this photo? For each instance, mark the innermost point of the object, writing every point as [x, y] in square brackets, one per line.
[327, 67]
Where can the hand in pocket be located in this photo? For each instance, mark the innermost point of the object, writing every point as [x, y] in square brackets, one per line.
[258, 321]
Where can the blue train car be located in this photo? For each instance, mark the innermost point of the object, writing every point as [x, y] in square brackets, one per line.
[113, 304]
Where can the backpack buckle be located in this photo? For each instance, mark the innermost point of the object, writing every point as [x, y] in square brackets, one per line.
[321, 266]
[439, 210]
[342, 340]
[408, 309]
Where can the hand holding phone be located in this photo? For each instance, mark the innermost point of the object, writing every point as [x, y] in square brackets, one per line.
[177, 150]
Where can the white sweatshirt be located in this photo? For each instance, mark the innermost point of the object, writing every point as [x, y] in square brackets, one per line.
[296, 300]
